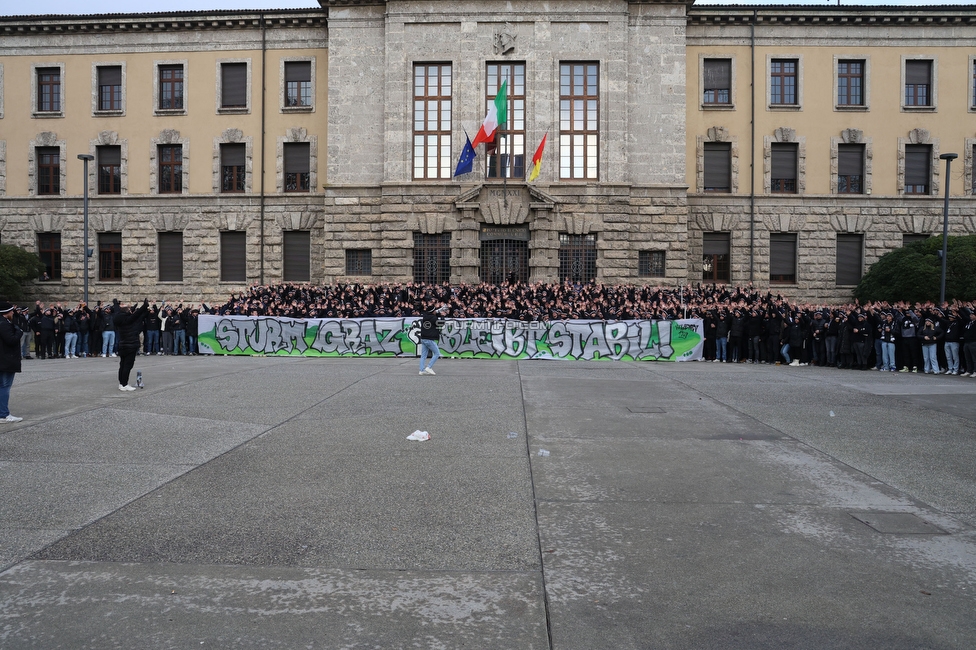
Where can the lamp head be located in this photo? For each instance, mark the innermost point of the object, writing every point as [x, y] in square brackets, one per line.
[85, 156]
[949, 156]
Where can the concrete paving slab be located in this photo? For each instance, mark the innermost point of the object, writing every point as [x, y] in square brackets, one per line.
[189, 606]
[290, 510]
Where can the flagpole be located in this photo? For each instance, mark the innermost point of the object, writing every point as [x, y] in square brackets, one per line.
[501, 136]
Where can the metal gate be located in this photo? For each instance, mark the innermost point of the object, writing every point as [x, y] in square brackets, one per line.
[504, 260]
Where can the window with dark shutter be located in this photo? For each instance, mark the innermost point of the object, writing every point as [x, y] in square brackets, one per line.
[297, 245]
[232, 169]
[110, 88]
[296, 166]
[718, 167]
[233, 85]
[850, 168]
[109, 169]
[298, 84]
[717, 81]
[782, 257]
[918, 83]
[849, 252]
[233, 256]
[782, 168]
[170, 251]
[918, 158]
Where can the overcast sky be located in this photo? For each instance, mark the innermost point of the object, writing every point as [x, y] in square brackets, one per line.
[14, 8]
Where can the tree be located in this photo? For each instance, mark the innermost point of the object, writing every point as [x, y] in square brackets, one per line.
[914, 272]
[17, 266]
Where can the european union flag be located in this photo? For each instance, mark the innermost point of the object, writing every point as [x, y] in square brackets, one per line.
[466, 161]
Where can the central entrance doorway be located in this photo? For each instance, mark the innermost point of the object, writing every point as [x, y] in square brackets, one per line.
[504, 253]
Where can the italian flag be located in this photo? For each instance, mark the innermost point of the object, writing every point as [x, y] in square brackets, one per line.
[497, 114]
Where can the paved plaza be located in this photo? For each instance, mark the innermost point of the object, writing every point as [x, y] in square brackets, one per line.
[269, 502]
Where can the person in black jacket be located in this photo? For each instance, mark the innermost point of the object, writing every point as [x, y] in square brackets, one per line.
[969, 341]
[9, 358]
[431, 323]
[128, 325]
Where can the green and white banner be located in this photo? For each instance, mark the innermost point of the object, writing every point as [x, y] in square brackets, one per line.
[478, 338]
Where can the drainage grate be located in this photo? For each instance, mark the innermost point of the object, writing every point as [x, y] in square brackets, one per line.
[897, 523]
[645, 409]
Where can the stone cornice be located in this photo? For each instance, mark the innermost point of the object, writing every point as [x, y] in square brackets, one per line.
[856, 16]
[160, 22]
[361, 3]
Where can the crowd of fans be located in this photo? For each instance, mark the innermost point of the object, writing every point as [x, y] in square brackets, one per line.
[60, 331]
[741, 325]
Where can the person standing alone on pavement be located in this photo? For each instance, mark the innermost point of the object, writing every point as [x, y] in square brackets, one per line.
[10, 335]
[128, 326]
[431, 323]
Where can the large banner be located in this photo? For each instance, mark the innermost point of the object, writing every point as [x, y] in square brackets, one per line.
[480, 338]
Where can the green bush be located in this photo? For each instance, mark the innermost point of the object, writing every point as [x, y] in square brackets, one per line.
[17, 267]
[913, 273]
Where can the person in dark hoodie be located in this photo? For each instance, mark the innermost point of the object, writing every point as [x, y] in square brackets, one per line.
[969, 341]
[128, 323]
[951, 338]
[430, 324]
[10, 335]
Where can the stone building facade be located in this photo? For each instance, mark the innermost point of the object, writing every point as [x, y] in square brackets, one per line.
[787, 147]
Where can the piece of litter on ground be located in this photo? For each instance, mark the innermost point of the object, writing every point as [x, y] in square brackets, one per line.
[831, 414]
[419, 435]
[512, 434]
[543, 452]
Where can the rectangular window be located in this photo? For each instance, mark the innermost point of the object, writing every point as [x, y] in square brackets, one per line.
[296, 251]
[650, 264]
[911, 238]
[170, 87]
[431, 121]
[109, 160]
[233, 85]
[918, 163]
[110, 256]
[850, 83]
[298, 84]
[359, 261]
[110, 88]
[232, 167]
[48, 90]
[716, 265]
[782, 82]
[782, 168]
[506, 155]
[718, 167]
[170, 168]
[579, 120]
[577, 257]
[717, 77]
[849, 259]
[782, 258]
[233, 256]
[850, 169]
[918, 83]
[296, 166]
[170, 251]
[432, 258]
[48, 171]
[49, 250]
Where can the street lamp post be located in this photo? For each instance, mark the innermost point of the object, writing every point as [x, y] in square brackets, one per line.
[948, 158]
[84, 157]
